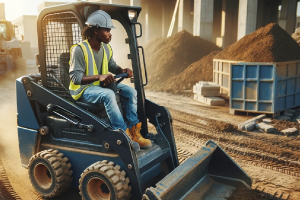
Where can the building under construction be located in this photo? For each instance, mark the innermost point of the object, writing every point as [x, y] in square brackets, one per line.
[220, 21]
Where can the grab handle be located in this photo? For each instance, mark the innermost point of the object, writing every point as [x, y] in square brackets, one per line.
[140, 29]
[146, 76]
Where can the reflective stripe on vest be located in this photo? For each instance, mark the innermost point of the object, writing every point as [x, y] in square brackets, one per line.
[91, 67]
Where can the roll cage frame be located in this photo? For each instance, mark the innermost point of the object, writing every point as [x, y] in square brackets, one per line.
[117, 12]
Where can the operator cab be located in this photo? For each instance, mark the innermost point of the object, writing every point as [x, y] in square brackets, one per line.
[69, 27]
[3, 33]
[7, 31]
[55, 72]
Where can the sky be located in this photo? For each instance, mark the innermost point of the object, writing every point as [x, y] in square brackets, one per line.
[17, 8]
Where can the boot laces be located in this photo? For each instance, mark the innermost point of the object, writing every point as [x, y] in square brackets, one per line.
[130, 135]
[138, 132]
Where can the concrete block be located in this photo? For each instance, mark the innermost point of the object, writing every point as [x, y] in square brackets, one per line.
[195, 96]
[208, 90]
[202, 99]
[215, 101]
[205, 83]
[267, 120]
[250, 126]
[259, 118]
[256, 119]
[265, 127]
[241, 126]
[194, 89]
[290, 131]
[202, 83]
[211, 101]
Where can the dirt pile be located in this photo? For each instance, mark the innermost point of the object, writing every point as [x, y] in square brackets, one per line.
[154, 45]
[200, 70]
[249, 194]
[167, 58]
[267, 44]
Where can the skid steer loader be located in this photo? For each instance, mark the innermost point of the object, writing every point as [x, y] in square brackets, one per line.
[67, 143]
[10, 51]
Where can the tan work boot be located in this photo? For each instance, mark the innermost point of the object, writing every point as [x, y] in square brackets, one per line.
[136, 133]
[136, 145]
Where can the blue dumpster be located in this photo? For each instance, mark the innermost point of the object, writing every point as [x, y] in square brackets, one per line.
[264, 87]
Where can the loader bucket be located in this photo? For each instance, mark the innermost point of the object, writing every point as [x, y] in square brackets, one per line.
[208, 174]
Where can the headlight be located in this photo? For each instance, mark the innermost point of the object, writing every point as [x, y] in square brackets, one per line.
[132, 14]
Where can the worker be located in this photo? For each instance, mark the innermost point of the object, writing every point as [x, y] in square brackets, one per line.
[90, 62]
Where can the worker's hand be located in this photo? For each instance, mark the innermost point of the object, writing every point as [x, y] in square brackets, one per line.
[129, 72]
[107, 79]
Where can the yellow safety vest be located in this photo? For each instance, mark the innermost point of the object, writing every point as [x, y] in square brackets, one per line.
[91, 67]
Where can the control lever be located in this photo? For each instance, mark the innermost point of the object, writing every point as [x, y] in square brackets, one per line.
[121, 76]
[51, 108]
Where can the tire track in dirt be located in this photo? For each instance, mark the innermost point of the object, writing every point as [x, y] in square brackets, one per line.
[6, 190]
[195, 144]
[248, 155]
[288, 145]
[267, 153]
[185, 138]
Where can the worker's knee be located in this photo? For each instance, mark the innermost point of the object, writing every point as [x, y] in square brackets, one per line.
[133, 92]
[109, 96]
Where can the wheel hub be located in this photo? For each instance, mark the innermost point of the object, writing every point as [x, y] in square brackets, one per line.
[42, 176]
[98, 189]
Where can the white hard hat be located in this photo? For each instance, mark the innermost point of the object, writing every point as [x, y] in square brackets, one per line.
[101, 19]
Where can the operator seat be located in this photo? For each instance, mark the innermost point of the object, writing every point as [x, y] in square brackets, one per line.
[98, 109]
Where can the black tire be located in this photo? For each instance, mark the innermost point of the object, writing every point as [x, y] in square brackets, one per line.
[49, 173]
[104, 181]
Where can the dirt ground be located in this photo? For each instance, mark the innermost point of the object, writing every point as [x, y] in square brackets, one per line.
[271, 160]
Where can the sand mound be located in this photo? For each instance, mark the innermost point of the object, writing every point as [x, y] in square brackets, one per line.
[169, 57]
[267, 44]
[154, 45]
[202, 70]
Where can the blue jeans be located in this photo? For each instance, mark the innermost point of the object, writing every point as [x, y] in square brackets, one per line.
[97, 94]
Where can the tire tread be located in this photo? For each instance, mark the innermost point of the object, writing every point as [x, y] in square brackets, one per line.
[113, 174]
[61, 167]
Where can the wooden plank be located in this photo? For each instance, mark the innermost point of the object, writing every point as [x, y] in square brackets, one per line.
[246, 112]
[219, 72]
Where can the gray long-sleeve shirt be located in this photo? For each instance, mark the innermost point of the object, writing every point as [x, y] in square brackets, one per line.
[78, 65]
